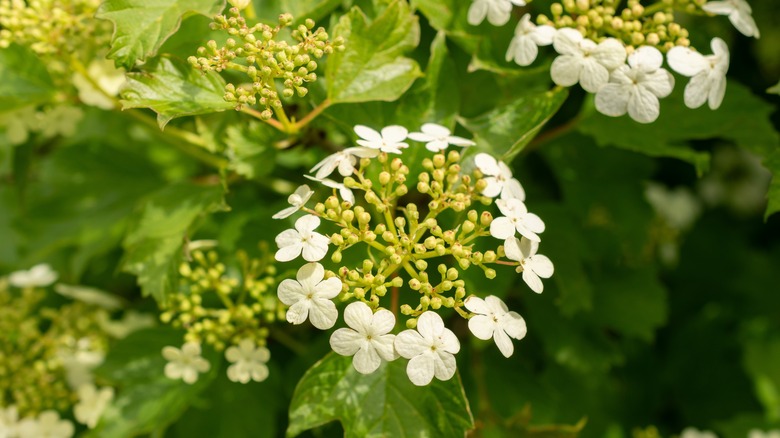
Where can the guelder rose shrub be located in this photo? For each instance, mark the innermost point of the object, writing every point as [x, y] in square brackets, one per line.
[190, 187]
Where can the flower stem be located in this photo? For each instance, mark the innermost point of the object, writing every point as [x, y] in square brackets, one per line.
[313, 114]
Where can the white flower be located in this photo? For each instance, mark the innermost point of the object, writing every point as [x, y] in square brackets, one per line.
[496, 11]
[186, 363]
[89, 295]
[494, 320]
[739, 12]
[582, 60]
[297, 200]
[109, 78]
[309, 296]
[92, 403]
[78, 359]
[532, 265]
[9, 418]
[344, 161]
[38, 276]
[345, 193]
[499, 178]
[755, 433]
[48, 424]
[437, 138]
[524, 46]
[690, 432]
[368, 339]
[707, 73]
[430, 348]
[636, 87]
[390, 140]
[61, 120]
[249, 361]
[302, 240]
[516, 218]
[240, 4]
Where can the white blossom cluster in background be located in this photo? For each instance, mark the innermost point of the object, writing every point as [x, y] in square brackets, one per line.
[625, 79]
[429, 346]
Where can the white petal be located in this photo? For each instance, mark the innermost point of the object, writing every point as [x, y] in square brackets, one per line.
[362, 152]
[285, 213]
[514, 325]
[449, 342]
[493, 187]
[298, 312]
[502, 228]
[394, 133]
[329, 288]
[523, 50]
[421, 137]
[528, 247]
[289, 292]
[307, 224]
[436, 145]
[719, 7]
[309, 275]
[384, 347]
[496, 305]
[503, 343]
[543, 35]
[717, 91]
[593, 76]
[565, 70]
[533, 223]
[383, 321]
[533, 281]
[567, 41]
[316, 248]
[435, 130]
[366, 360]
[347, 195]
[486, 164]
[367, 133]
[420, 369]
[323, 314]
[541, 265]
[409, 344]
[612, 99]
[646, 58]
[610, 53]
[460, 141]
[643, 106]
[498, 13]
[697, 90]
[512, 249]
[482, 326]
[346, 342]
[512, 189]
[477, 12]
[720, 49]
[685, 61]
[660, 82]
[445, 366]
[476, 305]
[358, 316]
[430, 325]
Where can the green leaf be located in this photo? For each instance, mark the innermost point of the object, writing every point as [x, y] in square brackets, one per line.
[154, 243]
[384, 403]
[142, 26]
[506, 130]
[742, 118]
[172, 88]
[269, 10]
[372, 65]
[24, 79]
[146, 400]
[775, 89]
[449, 16]
[250, 150]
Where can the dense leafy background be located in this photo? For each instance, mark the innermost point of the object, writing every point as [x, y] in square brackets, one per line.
[617, 341]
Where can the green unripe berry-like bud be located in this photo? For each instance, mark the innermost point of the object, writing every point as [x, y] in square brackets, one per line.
[464, 263]
[556, 9]
[348, 215]
[489, 257]
[430, 242]
[368, 265]
[384, 178]
[397, 282]
[406, 309]
[380, 229]
[473, 215]
[460, 292]
[401, 190]
[452, 274]
[440, 250]
[485, 219]
[439, 160]
[421, 265]
[490, 273]
[435, 303]
[446, 285]
[414, 284]
[411, 323]
[388, 237]
[396, 259]
[448, 302]
[422, 187]
[468, 226]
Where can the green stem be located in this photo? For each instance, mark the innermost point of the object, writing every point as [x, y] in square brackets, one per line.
[256, 114]
[313, 114]
[288, 341]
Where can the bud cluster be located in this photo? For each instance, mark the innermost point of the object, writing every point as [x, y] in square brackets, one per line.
[40, 349]
[220, 305]
[263, 56]
[635, 24]
[53, 27]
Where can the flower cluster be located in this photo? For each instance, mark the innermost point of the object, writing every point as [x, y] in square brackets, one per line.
[618, 54]
[227, 308]
[419, 236]
[263, 56]
[49, 354]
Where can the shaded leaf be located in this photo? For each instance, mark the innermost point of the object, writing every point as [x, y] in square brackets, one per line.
[153, 246]
[269, 10]
[384, 403]
[172, 88]
[506, 130]
[372, 65]
[142, 26]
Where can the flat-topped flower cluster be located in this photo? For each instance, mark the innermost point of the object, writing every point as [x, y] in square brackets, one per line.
[404, 227]
[618, 55]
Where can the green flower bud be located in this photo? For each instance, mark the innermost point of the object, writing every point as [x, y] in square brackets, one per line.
[435, 303]
[411, 323]
[464, 263]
